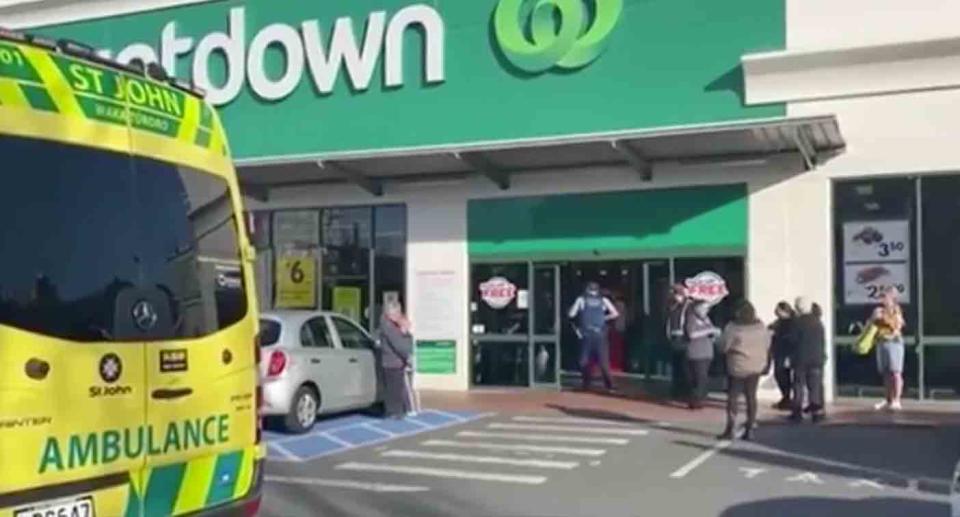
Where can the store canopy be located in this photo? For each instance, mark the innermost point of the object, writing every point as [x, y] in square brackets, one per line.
[814, 139]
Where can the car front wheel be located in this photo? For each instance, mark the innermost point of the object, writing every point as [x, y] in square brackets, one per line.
[303, 411]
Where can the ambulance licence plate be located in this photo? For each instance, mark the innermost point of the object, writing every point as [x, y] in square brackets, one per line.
[79, 507]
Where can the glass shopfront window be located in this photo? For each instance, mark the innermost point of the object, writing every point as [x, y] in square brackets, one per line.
[346, 260]
[941, 255]
[899, 232]
[875, 247]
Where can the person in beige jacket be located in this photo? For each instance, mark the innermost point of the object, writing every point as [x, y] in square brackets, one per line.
[746, 344]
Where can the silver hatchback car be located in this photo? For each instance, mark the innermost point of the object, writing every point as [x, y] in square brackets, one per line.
[314, 363]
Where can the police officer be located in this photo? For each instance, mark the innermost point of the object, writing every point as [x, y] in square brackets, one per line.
[591, 313]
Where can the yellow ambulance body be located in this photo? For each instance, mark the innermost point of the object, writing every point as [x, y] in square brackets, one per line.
[128, 318]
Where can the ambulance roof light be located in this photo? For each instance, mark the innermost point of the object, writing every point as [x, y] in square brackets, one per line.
[188, 87]
[43, 42]
[137, 66]
[73, 48]
[157, 72]
[12, 35]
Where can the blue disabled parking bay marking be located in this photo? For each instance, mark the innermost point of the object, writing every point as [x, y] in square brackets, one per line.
[341, 434]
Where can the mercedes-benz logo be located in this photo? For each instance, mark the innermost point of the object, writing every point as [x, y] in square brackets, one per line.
[144, 315]
[111, 367]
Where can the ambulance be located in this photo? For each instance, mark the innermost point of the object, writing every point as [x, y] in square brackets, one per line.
[128, 319]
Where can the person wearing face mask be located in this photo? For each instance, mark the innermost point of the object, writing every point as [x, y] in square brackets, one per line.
[701, 333]
[592, 311]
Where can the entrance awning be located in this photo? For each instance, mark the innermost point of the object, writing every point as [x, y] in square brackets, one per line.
[814, 139]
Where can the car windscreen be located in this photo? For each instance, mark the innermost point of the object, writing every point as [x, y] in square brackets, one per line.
[269, 332]
[95, 245]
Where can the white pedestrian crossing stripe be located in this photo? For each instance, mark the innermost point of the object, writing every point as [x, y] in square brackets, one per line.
[494, 460]
[345, 483]
[569, 429]
[541, 449]
[521, 451]
[545, 437]
[568, 420]
[444, 473]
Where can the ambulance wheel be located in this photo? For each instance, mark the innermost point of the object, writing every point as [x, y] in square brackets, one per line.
[303, 411]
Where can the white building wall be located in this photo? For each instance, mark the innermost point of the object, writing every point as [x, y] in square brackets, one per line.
[816, 24]
[890, 71]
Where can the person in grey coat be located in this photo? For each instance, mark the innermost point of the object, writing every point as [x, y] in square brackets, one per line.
[396, 349]
[701, 333]
[746, 345]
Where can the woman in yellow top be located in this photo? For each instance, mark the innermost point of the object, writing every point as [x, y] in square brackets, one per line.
[888, 318]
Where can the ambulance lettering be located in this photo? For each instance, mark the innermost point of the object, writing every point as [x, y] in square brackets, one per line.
[119, 88]
[102, 448]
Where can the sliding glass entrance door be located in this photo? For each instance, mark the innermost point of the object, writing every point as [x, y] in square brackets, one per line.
[515, 325]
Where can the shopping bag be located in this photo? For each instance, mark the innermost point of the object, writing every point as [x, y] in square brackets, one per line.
[867, 338]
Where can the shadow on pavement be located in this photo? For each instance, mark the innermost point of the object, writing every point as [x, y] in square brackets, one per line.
[917, 452]
[833, 507]
[824, 464]
[612, 416]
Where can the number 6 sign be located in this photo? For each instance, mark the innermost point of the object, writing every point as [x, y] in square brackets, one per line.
[296, 285]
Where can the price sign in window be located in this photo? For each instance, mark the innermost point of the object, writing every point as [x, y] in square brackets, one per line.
[876, 241]
[876, 256]
[296, 283]
[866, 283]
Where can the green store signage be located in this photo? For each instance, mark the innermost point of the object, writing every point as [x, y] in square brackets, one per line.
[363, 75]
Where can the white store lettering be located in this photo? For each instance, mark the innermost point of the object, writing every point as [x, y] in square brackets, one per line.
[306, 46]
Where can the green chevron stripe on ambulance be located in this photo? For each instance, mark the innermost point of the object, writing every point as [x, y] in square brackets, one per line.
[183, 488]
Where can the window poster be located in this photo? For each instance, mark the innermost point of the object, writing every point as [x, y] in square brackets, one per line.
[296, 282]
[346, 301]
[439, 298]
[876, 256]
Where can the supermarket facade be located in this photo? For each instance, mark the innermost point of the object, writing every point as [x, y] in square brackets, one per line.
[480, 161]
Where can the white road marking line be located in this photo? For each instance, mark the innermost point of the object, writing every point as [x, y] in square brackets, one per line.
[345, 483]
[494, 460]
[699, 460]
[338, 441]
[287, 455]
[545, 437]
[414, 421]
[569, 420]
[448, 415]
[751, 473]
[569, 429]
[866, 483]
[516, 448]
[371, 427]
[806, 477]
[444, 473]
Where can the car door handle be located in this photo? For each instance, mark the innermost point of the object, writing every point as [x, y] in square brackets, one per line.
[314, 361]
[354, 360]
[164, 394]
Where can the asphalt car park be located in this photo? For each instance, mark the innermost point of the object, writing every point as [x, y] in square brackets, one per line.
[556, 465]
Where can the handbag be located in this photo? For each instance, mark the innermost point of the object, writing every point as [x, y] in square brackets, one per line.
[867, 339]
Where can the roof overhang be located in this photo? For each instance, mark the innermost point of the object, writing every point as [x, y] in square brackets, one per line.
[814, 139]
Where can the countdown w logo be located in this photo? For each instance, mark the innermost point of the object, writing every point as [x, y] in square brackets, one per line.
[537, 35]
